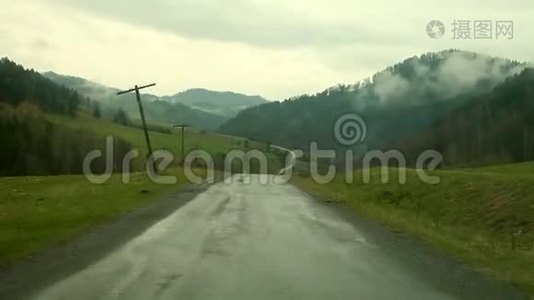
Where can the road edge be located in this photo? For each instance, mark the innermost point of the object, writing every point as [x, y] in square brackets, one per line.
[27, 277]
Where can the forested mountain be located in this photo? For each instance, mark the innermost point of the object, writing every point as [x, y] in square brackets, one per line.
[396, 103]
[497, 127]
[226, 104]
[201, 108]
[85, 87]
[18, 85]
[30, 143]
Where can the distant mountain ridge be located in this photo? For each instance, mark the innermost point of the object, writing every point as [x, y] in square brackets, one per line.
[227, 104]
[157, 111]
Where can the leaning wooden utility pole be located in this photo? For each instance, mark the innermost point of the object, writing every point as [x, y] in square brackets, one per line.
[141, 111]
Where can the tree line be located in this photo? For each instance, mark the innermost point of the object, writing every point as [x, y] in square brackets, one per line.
[18, 85]
[488, 123]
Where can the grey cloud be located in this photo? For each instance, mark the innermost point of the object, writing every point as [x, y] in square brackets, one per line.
[249, 22]
[41, 44]
[458, 73]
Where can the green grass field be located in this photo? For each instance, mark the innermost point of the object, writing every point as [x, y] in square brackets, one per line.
[210, 142]
[484, 216]
[214, 143]
[39, 212]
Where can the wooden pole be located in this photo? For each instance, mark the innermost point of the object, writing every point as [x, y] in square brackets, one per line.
[142, 112]
[183, 126]
[183, 145]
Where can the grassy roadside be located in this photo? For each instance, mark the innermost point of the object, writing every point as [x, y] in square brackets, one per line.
[484, 217]
[215, 144]
[39, 212]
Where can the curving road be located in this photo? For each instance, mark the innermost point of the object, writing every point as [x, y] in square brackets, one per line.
[289, 163]
[247, 240]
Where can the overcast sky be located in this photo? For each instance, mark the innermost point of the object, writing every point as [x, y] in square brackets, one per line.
[273, 48]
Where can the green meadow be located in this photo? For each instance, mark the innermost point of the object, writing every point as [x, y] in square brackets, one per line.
[37, 212]
[483, 216]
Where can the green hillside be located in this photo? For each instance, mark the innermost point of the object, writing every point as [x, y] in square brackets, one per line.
[396, 103]
[484, 216]
[496, 127]
[195, 139]
[18, 85]
[217, 145]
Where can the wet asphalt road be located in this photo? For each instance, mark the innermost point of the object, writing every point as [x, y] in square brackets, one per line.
[246, 240]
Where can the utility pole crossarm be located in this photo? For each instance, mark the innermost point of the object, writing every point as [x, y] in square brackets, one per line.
[136, 88]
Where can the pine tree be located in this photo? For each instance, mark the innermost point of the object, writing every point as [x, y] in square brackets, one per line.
[120, 117]
[96, 110]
